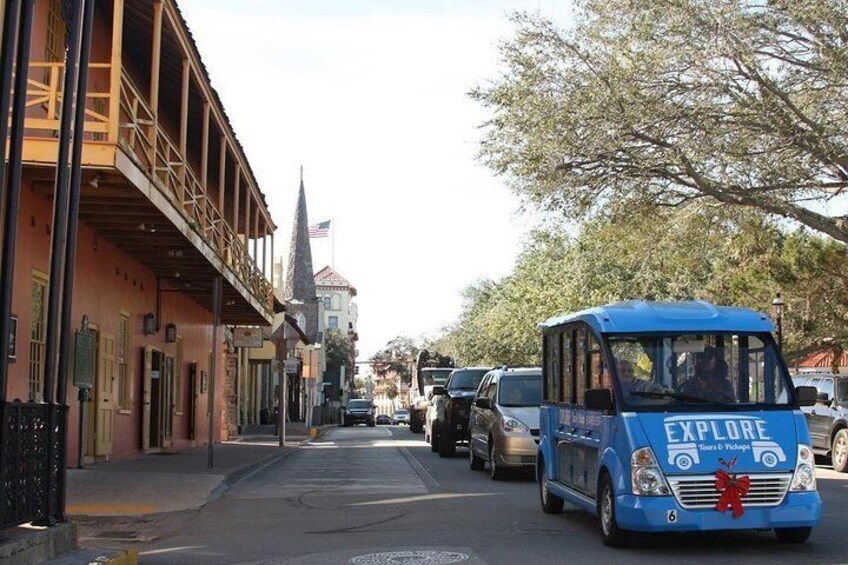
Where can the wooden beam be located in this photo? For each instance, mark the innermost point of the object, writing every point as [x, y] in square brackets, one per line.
[204, 150]
[247, 199]
[155, 67]
[273, 267]
[236, 199]
[256, 235]
[184, 110]
[115, 71]
[265, 255]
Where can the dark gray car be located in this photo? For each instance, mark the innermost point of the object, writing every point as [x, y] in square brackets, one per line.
[828, 419]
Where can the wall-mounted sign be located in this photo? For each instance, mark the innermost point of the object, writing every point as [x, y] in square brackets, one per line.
[84, 356]
[13, 338]
[247, 337]
[291, 366]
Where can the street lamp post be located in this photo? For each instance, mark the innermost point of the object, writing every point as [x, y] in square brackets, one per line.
[777, 304]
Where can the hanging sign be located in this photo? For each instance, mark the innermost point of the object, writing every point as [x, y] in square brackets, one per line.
[247, 337]
[13, 338]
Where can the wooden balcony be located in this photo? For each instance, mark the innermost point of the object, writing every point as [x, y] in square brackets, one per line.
[142, 192]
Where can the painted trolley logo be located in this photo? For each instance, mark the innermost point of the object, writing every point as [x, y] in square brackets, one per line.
[688, 436]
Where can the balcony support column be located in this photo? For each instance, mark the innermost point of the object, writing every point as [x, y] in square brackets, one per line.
[272, 260]
[115, 71]
[222, 189]
[155, 64]
[247, 195]
[236, 187]
[264, 252]
[256, 235]
[204, 150]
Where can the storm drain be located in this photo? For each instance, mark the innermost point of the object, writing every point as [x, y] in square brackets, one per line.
[410, 557]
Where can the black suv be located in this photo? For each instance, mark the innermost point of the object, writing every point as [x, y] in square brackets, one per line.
[452, 409]
[359, 411]
[828, 419]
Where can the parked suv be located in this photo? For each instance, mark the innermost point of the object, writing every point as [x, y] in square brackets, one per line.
[359, 411]
[828, 419]
[448, 415]
[504, 423]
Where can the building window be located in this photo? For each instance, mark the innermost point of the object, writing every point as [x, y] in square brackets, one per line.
[333, 322]
[54, 49]
[336, 302]
[328, 303]
[178, 377]
[38, 322]
[123, 352]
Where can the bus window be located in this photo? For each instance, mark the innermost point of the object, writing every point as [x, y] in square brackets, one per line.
[567, 367]
[580, 365]
[552, 372]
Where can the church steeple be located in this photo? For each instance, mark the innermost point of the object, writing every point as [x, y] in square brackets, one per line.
[300, 277]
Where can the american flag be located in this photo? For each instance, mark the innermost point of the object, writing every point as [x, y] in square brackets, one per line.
[321, 229]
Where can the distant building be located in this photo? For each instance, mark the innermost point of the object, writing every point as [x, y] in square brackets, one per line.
[340, 312]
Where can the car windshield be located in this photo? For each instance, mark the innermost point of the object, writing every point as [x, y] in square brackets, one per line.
[699, 371]
[435, 376]
[359, 404]
[520, 390]
[401, 412]
[466, 379]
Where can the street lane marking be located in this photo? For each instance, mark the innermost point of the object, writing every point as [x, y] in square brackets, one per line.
[419, 468]
[425, 497]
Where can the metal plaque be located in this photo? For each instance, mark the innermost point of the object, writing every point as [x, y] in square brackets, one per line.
[84, 358]
[291, 366]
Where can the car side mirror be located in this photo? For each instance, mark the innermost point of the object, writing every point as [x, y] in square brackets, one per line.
[484, 403]
[598, 399]
[807, 395]
[823, 398]
[439, 390]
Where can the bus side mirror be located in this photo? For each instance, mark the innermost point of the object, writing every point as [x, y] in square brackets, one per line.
[806, 395]
[598, 399]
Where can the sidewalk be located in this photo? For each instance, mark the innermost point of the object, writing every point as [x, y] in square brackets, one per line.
[170, 481]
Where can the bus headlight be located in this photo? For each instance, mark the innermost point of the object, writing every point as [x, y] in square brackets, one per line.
[805, 471]
[646, 477]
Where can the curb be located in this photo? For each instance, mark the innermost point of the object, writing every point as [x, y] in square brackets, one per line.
[243, 472]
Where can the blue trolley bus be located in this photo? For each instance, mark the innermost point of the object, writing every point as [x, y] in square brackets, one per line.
[674, 417]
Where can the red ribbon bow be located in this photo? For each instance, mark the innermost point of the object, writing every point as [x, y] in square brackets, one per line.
[732, 489]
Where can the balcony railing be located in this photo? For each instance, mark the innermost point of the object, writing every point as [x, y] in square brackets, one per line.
[153, 151]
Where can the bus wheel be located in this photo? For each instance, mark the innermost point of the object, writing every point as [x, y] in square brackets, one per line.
[551, 503]
[610, 533]
[792, 535]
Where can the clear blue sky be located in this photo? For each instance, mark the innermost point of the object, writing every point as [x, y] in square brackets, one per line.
[371, 98]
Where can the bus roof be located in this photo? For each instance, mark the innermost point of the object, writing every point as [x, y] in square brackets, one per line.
[637, 316]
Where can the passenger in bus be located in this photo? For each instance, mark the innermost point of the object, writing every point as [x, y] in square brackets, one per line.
[629, 382]
[710, 380]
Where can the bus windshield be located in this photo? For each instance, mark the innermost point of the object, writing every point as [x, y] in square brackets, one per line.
[699, 370]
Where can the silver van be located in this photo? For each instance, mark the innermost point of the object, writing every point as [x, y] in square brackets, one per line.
[504, 422]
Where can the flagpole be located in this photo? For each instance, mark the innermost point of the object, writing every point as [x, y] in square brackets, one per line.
[332, 243]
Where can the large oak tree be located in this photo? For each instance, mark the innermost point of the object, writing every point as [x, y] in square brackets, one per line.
[665, 102]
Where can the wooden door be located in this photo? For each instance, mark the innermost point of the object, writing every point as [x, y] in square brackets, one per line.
[105, 395]
[167, 402]
[145, 398]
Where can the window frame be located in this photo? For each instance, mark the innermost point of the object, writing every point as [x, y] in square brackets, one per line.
[37, 341]
[122, 359]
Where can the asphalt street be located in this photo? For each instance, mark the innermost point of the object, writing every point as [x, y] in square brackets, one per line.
[379, 495]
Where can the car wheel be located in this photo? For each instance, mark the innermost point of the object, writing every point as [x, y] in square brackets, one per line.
[447, 443]
[839, 451]
[611, 535]
[497, 473]
[792, 535]
[476, 463]
[551, 503]
[434, 438]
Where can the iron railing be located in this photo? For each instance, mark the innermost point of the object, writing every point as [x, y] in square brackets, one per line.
[31, 463]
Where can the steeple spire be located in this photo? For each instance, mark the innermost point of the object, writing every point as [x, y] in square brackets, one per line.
[300, 281]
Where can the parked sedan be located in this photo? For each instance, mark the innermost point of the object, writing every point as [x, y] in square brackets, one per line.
[383, 420]
[400, 417]
[504, 421]
[828, 419]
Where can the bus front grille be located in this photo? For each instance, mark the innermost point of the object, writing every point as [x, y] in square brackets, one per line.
[699, 491]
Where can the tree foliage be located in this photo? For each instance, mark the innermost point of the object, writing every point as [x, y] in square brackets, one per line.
[337, 346]
[396, 357]
[666, 102]
[694, 252]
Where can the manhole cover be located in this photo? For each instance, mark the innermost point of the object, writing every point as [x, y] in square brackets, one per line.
[410, 558]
